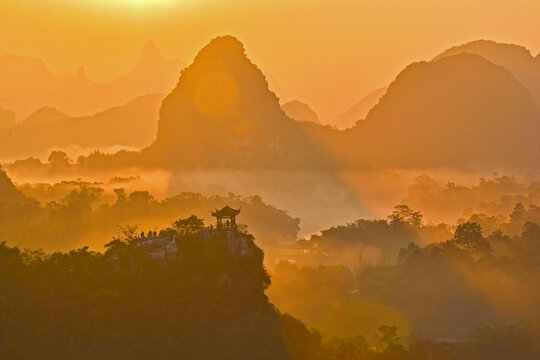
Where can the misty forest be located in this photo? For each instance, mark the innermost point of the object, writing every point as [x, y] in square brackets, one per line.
[198, 210]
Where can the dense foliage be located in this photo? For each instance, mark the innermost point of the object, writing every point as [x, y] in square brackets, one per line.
[443, 289]
[122, 304]
[80, 213]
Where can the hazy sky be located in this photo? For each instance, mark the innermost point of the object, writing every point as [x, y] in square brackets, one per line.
[326, 53]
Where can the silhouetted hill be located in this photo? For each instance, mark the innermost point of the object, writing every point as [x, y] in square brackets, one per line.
[222, 114]
[42, 116]
[27, 85]
[514, 58]
[359, 110]
[9, 194]
[300, 111]
[131, 125]
[203, 299]
[459, 111]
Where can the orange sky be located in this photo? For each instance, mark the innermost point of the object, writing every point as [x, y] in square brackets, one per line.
[326, 53]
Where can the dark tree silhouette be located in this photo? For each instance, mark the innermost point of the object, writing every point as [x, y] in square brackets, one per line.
[189, 225]
[468, 236]
[404, 214]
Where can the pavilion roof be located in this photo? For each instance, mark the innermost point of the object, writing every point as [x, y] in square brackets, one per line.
[226, 211]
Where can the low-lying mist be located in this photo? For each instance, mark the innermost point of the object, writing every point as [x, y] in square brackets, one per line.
[321, 199]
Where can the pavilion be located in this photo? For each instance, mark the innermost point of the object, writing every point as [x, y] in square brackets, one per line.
[229, 215]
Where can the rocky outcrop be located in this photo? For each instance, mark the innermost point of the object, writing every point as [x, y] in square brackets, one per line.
[169, 246]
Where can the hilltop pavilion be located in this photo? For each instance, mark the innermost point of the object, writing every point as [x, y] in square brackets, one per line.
[229, 215]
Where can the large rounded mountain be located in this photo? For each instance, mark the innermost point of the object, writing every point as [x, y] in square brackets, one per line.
[458, 111]
[9, 194]
[222, 113]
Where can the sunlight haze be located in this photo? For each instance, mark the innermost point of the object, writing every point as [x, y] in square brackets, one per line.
[326, 55]
[270, 180]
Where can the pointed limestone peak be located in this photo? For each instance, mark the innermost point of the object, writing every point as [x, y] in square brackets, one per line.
[81, 73]
[222, 47]
[150, 54]
[223, 99]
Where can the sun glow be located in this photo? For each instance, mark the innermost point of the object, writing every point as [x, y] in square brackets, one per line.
[137, 6]
[139, 2]
[145, 2]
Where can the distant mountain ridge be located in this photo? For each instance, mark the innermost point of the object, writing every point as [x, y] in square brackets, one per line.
[457, 111]
[43, 116]
[300, 111]
[516, 59]
[131, 125]
[359, 110]
[27, 85]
